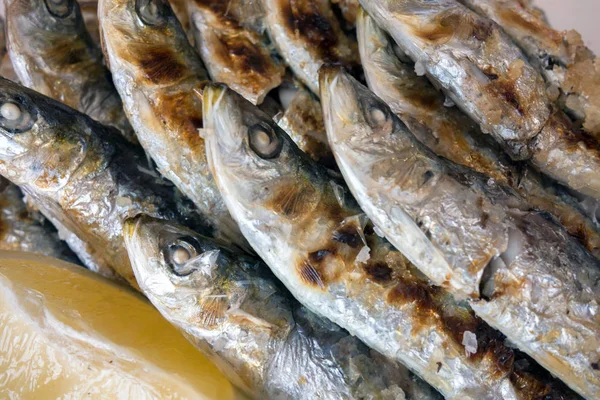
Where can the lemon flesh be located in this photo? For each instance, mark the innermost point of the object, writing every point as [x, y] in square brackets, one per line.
[67, 333]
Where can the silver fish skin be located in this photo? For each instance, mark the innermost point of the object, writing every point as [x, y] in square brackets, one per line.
[234, 55]
[307, 34]
[232, 309]
[82, 174]
[486, 75]
[23, 229]
[524, 275]
[160, 78]
[316, 240]
[561, 57]
[452, 135]
[53, 53]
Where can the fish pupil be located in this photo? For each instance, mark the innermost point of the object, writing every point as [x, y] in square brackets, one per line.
[152, 12]
[10, 111]
[180, 255]
[264, 142]
[378, 116]
[59, 8]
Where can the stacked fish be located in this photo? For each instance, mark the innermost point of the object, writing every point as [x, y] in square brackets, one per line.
[430, 233]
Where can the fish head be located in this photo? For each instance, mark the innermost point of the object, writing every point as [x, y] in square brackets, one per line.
[172, 264]
[45, 29]
[353, 114]
[254, 162]
[146, 38]
[42, 142]
[48, 15]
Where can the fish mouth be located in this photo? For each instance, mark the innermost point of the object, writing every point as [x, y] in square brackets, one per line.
[339, 99]
[213, 94]
[132, 225]
[223, 120]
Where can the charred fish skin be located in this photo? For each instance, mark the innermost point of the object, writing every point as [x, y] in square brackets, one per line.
[80, 173]
[452, 135]
[160, 78]
[524, 265]
[303, 122]
[21, 229]
[234, 55]
[313, 236]
[230, 307]
[53, 53]
[488, 79]
[307, 34]
[561, 57]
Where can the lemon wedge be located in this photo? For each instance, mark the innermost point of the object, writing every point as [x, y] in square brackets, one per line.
[67, 333]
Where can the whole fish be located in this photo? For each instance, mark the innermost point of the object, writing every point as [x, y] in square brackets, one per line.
[231, 308]
[160, 79]
[81, 174]
[307, 34]
[561, 57]
[316, 240]
[234, 55]
[303, 121]
[452, 135]
[485, 74]
[22, 229]
[53, 53]
[524, 275]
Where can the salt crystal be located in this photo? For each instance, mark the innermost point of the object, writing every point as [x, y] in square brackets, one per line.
[363, 255]
[419, 68]
[470, 343]
[338, 190]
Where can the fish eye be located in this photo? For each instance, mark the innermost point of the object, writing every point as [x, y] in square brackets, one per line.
[179, 253]
[152, 12]
[15, 118]
[377, 116]
[59, 8]
[264, 141]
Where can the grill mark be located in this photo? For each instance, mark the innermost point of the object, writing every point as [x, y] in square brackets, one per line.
[379, 272]
[303, 18]
[161, 66]
[244, 54]
[182, 113]
[434, 306]
[349, 235]
[511, 17]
